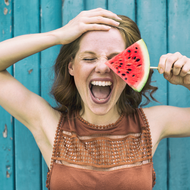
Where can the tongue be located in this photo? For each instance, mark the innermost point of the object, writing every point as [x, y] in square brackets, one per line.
[100, 92]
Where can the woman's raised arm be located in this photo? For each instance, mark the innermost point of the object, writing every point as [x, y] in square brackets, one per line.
[17, 48]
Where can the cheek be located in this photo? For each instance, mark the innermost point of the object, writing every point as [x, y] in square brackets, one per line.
[122, 84]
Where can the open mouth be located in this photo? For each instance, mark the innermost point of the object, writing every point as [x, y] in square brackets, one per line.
[100, 91]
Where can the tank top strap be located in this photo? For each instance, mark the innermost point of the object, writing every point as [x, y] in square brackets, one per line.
[55, 152]
[147, 137]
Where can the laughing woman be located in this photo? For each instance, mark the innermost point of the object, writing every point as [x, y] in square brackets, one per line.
[103, 140]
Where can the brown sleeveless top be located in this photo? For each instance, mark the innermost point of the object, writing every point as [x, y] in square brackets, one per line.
[89, 157]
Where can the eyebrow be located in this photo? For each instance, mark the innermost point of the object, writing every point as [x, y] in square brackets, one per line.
[92, 53]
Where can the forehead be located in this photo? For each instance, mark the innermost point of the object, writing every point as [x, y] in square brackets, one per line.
[102, 41]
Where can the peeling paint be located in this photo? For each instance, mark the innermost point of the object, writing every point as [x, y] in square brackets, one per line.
[29, 71]
[5, 11]
[8, 175]
[6, 2]
[8, 167]
[5, 132]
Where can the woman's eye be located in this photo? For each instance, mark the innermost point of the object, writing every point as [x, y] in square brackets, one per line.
[89, 59]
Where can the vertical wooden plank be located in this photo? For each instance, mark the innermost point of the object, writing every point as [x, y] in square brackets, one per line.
[121, 7]
[71, 8]
[51, 18]
[27, 155]
[179, 40]
[6, 124]
[151, 19]
[93, 4]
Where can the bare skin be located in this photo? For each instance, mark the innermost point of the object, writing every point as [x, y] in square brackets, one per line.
[30, 109]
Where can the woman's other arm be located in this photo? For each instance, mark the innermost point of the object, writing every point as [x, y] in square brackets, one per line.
[169, 121]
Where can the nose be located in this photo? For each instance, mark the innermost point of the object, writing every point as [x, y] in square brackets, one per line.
[101, 67]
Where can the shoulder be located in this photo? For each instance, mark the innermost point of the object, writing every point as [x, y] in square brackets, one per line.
[157, 118]
[167, 121]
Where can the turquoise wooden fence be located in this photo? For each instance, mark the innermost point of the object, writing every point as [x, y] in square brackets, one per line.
[165, 27]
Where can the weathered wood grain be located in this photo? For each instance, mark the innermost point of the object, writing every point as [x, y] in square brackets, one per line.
[51, 19]
[6, 120]
[92, 4]
[179, 40]
[27, 155]
[151, 19]
[121, 7]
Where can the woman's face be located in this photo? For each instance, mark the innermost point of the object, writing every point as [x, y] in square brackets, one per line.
[98, 86]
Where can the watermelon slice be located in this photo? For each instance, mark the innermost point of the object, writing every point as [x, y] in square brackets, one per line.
[132, 65]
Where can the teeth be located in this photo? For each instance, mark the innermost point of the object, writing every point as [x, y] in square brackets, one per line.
[100, 99]
[101, 83]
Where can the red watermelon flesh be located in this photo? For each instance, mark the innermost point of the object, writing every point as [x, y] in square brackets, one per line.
[132, 65]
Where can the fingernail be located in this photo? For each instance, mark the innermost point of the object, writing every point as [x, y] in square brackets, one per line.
[108, 27]
[161, 70]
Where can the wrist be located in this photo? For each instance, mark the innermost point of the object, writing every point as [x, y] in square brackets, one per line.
[55, 36]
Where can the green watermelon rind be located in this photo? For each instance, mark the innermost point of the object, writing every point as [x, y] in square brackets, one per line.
[146, 60]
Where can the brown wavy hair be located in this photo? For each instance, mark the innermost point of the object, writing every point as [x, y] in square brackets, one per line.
[64, 89]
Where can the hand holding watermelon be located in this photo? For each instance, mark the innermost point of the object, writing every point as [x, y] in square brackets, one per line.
[133, 66]
[175, 68]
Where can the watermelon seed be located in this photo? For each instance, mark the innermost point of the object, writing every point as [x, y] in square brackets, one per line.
[133, 75]
[127, 72]
[135, 51]
[123, 74]
[134, 57]
[116, 67]
[137, 60]
[125, 78]
[139, 65]
[129, 51]
[136, 47]
[129, 69]
[121, 63]
[118, 72]
[129, 57]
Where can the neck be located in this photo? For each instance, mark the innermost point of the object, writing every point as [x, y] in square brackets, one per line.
[101, 119]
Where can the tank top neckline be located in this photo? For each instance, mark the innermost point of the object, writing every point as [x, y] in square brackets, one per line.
[99, 127]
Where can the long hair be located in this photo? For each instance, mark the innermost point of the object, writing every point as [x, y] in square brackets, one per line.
[64, 89]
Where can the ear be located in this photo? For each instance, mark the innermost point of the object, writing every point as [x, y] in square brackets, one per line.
[71, 68]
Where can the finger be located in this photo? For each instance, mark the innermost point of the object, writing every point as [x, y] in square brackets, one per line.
[174, 79]
[178, 65]
[91, 27]
[185, 69]
[170, 60]
[161, 65]
[101, 20]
